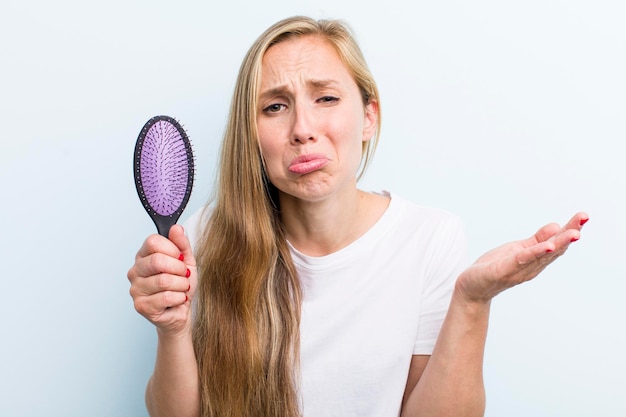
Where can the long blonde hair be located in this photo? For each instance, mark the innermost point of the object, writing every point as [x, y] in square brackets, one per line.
[246, 325]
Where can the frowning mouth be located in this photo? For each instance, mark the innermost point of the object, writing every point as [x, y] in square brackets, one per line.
[305, 164]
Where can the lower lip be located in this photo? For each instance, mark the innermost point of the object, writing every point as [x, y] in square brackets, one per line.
[308, 166]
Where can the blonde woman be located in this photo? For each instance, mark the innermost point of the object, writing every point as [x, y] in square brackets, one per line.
[312, 297]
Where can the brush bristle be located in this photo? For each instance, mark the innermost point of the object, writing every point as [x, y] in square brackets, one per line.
[165, 167]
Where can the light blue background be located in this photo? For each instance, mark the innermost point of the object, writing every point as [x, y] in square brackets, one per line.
[510, 114]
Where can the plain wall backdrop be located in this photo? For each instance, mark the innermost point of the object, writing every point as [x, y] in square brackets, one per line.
[510, 114]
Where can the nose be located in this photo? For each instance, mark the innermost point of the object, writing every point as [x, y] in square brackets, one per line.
[302, 130]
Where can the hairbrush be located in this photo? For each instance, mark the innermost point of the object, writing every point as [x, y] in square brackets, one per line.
[164, 169]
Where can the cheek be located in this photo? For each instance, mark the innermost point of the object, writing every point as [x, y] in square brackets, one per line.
[350, 137]
[265, 135]
[269, 131]
[353, 147]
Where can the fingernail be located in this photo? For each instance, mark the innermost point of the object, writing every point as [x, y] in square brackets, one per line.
[187, 273]
[574, 239]
[583, 221]
[549, 250]
[181, 257]
[186, 298]
[189, 287]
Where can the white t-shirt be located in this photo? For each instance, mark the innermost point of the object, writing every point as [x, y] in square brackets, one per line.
[370, 306]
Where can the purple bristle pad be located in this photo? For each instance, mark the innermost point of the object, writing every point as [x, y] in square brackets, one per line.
[164, 168]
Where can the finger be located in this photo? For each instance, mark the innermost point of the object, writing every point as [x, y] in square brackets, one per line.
[547, 251]
[570, 232]
[565, 233]
[159, 283]
[159, 263]
[534, 253]
[547, 232]
[154, 305]
[178, 237]
[564, 239]
[577, 221]
[157, 244]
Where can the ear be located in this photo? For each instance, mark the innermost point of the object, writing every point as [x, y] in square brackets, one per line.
[371, 120]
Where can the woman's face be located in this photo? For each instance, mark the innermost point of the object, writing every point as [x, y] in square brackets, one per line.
[311, 120]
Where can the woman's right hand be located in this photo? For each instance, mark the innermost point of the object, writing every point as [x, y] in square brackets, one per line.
[163, 280]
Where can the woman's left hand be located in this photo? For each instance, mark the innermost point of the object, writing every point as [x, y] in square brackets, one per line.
[517, 262]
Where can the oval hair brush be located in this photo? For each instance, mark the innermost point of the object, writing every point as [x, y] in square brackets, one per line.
[164, 169]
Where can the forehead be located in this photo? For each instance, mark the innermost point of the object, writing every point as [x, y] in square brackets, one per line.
[307, 56]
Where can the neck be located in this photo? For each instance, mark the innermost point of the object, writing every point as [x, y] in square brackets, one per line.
[322, 227]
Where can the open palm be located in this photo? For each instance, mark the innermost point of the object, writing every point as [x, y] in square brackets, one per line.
[517, 262]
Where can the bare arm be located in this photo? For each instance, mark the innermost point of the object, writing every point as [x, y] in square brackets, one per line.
[451, 380]
[450, 383]
[173, 388]
[163, 280]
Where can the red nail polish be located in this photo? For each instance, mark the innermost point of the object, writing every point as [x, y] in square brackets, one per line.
[549, 250]
[189, 287]
[574, 239]
[181, 257]
[187, 273]
[583, 221]
[186, 298]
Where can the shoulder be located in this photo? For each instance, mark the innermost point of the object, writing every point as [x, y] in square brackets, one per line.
[424, 230]
[412, 214]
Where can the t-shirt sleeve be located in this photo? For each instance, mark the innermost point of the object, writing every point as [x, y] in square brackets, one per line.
[447, 258]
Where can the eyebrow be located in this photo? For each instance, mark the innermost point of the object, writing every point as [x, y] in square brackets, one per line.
[314, 83]
[321, 83]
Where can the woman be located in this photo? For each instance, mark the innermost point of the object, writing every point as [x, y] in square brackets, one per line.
[313, 297]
